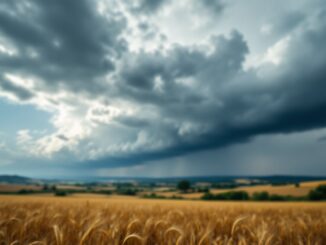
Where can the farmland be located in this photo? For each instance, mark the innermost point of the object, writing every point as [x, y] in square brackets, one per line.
[166, 190]
[100, 219]
[288, 189]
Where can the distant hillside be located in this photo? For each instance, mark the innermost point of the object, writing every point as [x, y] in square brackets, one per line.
[273, 179]
[270, 179]
[15, 179]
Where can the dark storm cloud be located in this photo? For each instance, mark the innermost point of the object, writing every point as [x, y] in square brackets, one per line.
[151, 5]
[62, 137]
[137, 78]
[201, 99]
[289, 22]
[291, 100]
[69, 40]
[19, 92]
[215, 6]
[321, 139]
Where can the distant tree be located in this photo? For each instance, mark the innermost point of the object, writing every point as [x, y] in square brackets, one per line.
[276, 197]
[233, 195]
[260, 196]
[184, 185]
[45, 187]
[318, 194]
[60, 193]
[237, 195]
[297, 185]
[24, 191]
[127, 191]
[208, 196]
[54, 188]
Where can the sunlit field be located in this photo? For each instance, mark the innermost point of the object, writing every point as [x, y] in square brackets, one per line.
[289, 189]
[96, 219]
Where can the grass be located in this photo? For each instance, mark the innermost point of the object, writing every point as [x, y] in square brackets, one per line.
[95, 219]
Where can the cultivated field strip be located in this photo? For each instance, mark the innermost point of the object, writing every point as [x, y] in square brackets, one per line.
[77, 221]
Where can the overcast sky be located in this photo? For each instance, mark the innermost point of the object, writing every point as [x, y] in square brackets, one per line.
[162, 87]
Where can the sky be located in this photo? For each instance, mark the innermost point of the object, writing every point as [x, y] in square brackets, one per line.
[159, 88]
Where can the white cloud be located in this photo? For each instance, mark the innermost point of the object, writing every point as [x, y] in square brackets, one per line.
[275, 54]
[23, 136]
[266, 29]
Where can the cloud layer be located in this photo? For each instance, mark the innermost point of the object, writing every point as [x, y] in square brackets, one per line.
[122, 90]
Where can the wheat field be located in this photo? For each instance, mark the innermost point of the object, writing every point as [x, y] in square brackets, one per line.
[289, 189]
[109, 220]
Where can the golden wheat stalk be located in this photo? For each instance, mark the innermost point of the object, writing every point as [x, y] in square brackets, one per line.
[237, 222]
[204, 238]
[90, 229]
[133, 238]
[58, 235]
[132, 224]
[37, 243]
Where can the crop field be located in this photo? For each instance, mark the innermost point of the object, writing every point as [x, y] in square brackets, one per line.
[289, 189]
[15, 188]
[113, 220]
